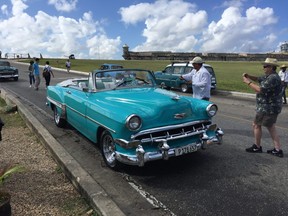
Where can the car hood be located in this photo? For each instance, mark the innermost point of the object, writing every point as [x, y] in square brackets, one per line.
[154, 105]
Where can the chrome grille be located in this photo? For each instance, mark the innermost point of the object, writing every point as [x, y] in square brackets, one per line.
[171, 132]
[7, 72]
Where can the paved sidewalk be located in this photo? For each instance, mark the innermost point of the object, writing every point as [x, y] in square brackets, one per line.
[86, 185]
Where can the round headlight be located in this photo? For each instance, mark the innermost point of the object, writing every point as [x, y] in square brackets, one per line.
[133, 122]
[211, 110]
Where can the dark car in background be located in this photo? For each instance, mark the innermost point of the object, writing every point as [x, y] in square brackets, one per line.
[72, 56]
[170, 76]
[106, 66]
[7, 71]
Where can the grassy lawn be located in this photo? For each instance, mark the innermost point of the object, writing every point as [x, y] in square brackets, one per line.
[228, 73]
[10, 118]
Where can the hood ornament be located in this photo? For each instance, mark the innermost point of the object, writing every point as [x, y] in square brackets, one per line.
[176, 97]
[179, 115]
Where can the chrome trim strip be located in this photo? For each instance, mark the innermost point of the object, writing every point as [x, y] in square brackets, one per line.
[76, 111]
[110, 129]
[60, 105]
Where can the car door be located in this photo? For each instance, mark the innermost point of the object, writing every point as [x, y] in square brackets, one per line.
[177, 71]
[165, 76]
[75, 99]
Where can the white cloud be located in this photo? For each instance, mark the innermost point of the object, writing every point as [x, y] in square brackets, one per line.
[18, 7]
[237, 33]
[170, 25]
[177, 25]
[54, 36]
[233, 3]
[64, 5]
[4, 9]
[101, 46]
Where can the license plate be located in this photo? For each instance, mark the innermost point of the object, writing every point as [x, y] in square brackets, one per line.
[185, 149]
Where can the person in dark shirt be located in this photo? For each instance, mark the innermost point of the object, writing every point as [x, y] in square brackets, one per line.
[268, 105]
[68, 65]
[36, 73]
[31, 75]
[47, 72]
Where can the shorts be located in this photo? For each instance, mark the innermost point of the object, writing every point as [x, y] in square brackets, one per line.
[266, 120]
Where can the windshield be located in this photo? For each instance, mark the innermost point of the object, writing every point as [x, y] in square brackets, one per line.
[116, 66]
[124, 78]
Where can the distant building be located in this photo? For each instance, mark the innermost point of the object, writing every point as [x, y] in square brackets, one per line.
[284, 47]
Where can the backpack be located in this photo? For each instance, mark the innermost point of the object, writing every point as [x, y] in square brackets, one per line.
[46, 71]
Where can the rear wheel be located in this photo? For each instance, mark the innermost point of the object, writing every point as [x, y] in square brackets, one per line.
[184, 88]
[60, 122]
[108, 150]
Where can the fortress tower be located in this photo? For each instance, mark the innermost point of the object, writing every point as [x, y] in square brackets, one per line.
[126, 54]
[284, 47]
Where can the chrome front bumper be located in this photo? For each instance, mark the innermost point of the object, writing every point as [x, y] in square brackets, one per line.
[164, 152]
[7, 76]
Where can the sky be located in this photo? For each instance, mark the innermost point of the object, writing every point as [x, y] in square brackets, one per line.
[98, 29]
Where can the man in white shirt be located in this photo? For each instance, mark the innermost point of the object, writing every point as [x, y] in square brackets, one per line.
[283, 73]
[200, 78]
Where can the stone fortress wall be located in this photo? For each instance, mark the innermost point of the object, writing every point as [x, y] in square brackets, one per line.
[185, 56]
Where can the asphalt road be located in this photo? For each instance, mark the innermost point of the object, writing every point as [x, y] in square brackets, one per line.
[221, 180]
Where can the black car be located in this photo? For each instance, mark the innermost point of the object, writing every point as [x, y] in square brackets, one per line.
[7, 71]
[72, 56]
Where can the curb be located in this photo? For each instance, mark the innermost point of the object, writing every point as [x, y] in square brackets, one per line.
[60, 69]
[236, 94]
[84, 183]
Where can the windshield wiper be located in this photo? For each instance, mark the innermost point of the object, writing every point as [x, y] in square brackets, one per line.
[122, 83]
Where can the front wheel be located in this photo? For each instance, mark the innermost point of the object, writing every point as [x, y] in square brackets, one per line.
[108, 150]
[60, 122]
[184, 88]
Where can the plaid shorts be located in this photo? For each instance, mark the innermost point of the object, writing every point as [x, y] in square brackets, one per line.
[266, 120]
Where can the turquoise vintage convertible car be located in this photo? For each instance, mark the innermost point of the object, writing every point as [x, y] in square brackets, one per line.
[131, 119]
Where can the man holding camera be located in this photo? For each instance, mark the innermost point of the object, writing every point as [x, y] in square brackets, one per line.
[268, 105]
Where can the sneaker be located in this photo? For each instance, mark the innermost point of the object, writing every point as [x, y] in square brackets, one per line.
[30, 86]
[274, 152]
[254, 149]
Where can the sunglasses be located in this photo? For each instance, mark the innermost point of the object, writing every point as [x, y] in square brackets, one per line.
[266, 66]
